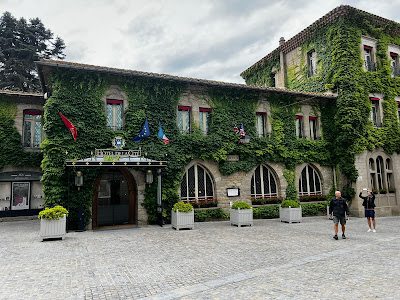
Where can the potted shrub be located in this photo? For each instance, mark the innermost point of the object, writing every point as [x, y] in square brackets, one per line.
[53, 222]
[182, 216]
[241, 213]
[392, 190]
[383, 191]
[290, 211]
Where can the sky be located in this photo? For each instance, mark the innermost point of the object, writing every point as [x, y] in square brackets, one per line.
[205, 39]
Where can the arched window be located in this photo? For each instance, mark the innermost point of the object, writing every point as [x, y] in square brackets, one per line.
[372, 174]
[197, 184]
[263, 183]
[379, 172]
[309, 182]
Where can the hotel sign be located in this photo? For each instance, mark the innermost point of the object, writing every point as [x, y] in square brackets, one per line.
[121, 153]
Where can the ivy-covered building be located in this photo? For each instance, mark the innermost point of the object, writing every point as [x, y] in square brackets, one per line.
[355, 55]
[205, 160]
[319, 114]
[20, 155]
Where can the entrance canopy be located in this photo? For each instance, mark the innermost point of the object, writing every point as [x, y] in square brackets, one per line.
[116, 158]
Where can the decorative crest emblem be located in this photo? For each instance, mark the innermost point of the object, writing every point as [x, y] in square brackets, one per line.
[118, 142]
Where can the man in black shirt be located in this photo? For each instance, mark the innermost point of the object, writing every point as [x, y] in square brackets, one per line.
[338, 207]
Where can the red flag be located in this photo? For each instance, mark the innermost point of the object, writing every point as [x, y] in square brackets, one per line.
[70, 126]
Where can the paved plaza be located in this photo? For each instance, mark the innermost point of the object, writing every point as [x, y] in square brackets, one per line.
[270, 260]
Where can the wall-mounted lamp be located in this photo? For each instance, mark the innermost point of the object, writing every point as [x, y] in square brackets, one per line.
[149, 177]
[245, 139]
[79, 179]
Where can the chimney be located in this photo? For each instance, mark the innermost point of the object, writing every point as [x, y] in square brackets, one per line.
[281, 41]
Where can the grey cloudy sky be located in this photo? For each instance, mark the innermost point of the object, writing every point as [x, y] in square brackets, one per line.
[207, 39]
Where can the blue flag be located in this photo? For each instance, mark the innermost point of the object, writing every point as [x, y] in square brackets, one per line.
[144, 133]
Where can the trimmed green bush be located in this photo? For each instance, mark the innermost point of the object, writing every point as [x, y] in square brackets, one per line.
[291, 203]
[241, 205]
[182, 207]
[313, 209]
[266, 212]
[202, 215]
[54, 213]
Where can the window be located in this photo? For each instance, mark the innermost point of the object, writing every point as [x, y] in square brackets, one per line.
[398, 110]
[313, 128]
[309, 182]
[368, 59]
[263, 183]
[114, 114]
[273, 79]
[261, 123]
[32, 134]
[204, 120]
[299, 127]
[184, 119]
[381, 177]
[196, 184]
[375, 114]
[394, 63]
[312, 63]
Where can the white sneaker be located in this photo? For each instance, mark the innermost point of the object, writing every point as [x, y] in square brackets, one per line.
[374, 230]
[369, 230]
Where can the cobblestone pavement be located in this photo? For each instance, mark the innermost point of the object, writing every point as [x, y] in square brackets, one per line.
[270, 260]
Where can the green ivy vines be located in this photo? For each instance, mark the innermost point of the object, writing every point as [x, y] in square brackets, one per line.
[340, 69]
[11, 150]
[78, 96]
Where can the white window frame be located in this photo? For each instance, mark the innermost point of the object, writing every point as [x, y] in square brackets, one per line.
[261, 124]
[299, 127]
[204, 118]
[375, 116]
[117, 106]
[184, 119]
[254, 184]
[33, 121]
[312, 63]
[315, 174]
[368, 48]
[313, 123]
[196, 184]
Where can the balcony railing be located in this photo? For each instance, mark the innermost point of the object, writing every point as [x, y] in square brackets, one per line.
[370, 66]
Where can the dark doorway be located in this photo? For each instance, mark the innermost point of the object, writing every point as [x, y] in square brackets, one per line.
[114, 201]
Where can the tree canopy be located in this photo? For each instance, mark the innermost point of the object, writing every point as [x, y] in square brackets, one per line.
[21, 44]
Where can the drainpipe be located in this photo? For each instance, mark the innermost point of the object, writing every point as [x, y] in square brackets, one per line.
[159, 204]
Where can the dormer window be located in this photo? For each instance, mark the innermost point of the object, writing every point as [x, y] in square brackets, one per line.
[184, 119]
[114, 114]
[260, 123]
[204, 116]
[312, 63]
[368, 59]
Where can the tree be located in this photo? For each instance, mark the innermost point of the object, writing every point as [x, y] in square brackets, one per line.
[21, 44]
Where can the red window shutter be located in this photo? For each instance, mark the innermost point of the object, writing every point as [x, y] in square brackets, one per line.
[185, 107]
[367, 47]
[32, 112]
[374, 99]
[313, 118]
[260, 113]
[393, 54]
[204, 109]
[299, 117]
[109, 101]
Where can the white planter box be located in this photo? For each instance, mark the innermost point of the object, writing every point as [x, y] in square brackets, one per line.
[53, 228]
[241, 217]
[290, 214]
[180, 220]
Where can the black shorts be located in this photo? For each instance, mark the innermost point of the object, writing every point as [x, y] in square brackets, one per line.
[370, 213]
